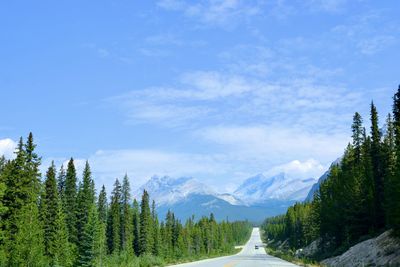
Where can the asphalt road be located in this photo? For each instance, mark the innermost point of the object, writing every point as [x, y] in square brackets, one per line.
[248, 257]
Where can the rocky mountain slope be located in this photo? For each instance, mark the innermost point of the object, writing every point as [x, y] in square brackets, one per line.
[383, 250]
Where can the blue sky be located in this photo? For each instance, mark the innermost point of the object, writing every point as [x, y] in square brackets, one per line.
[218, 89]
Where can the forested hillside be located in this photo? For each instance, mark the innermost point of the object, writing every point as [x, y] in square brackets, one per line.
[360, 198]
[61, 221]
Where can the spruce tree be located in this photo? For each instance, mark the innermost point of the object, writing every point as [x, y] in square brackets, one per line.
[89, 239]
[32, 173]
[50, 211]
[389, 156]
[27, 246]
[17, 187]
[377, 169]
[126, 217]
[145, 238]
[63, 254]
[102, 205]
[69, 202]
[358, 131]
[394, 199]
[155, 230]
[136, 227]
[3, 210]
[85, 201]
[61, 183]
[102, 210]
[114, 220]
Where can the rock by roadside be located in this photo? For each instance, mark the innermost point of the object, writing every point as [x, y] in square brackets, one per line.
[310, 250]
[383, 250]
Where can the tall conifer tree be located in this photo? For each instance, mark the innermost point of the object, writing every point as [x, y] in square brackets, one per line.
[377, 169]
[61, 183]
[145, 238]
[126, 216]
[394, 199]
[70, 201]
[114, 220]
[136, 227]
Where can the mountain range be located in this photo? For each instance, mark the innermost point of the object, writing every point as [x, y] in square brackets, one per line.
[255, 199]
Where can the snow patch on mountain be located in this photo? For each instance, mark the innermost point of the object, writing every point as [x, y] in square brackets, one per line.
[166, 190]
[261, 188]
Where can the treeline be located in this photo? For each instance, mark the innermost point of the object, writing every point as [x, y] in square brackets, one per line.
[63, 222]
[359, 199]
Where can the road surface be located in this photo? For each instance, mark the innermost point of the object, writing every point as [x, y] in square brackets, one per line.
[248, 257]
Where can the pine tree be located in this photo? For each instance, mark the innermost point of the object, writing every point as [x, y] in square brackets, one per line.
[126, 217]
[70, 198]
[145, 238]
[114, 220]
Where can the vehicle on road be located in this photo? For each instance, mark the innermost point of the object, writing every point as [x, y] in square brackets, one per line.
[256, 247]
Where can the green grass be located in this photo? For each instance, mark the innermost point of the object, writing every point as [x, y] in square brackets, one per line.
[290, 256]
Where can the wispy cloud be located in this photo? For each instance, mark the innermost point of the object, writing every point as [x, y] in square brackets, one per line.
[369, 33]
[107, 53]
[375, 44]
[331, 6]
[224, 13]
[215, 98]
[274, 144]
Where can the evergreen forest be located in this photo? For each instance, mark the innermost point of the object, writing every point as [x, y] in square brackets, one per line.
[60, 220]
[359, 199]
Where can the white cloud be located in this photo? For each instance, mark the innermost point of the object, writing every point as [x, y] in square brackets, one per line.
[224, 13]
[375, 44]
[7, 148]
[331, 6]
[220, 97]
[272, 144]
[310, 168]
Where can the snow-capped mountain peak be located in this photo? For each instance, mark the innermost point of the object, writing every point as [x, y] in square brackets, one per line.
[260, 188]
[166, 190]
